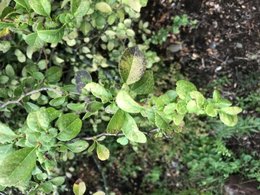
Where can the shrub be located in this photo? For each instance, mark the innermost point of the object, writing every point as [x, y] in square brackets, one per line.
[55, 96]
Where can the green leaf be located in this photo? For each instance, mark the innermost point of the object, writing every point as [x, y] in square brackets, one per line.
[77, 146]
[51, 36]
[23, 3]
[219, 101]
[122, 140]
[102, 152]
[94, 106]
[160, 121]
[4, 79]
[79, 187]
[92, 147]
[127, 103]
[229, 120]
[74, 5]
[5, 150]
[234, 110]
[57, 101]
[52, 113]
[116, 122]
[165, 99]
[69, 126]
[79, 8]
[46, 187]
[222, 103]
[54, 74]
[9, 70]
[6, 25]
[200, 99]
[4, 4]
[34, 41]
[41, 7]
[216, 96]
[58, 181]
[132, 65]
[211, 110]
[145, 85]
[98, 91]
[192, 106]
[181, 107]
[38, 120]
[178, 119]
[103, 7]
[18, 167]
[20, 56]
[6, 134]
[143, 2]
[184, 88]
[134, 4]
[170, 108]
[131, 131]
[77, 107]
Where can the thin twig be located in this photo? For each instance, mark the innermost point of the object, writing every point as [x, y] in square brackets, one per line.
[27, 94]
[102, 174]
[115, 135]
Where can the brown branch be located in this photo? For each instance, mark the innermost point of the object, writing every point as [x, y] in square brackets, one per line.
[115, 135]
[27, 94]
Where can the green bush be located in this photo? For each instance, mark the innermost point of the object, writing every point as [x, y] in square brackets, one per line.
[61, 92]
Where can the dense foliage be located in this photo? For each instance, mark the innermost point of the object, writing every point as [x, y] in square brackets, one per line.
[74, 73]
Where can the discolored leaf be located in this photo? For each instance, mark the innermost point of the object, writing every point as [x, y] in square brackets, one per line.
[145, 85]
[79, 187]
[18, 167]
[132, 65]
[102, 152]
[82, 78]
